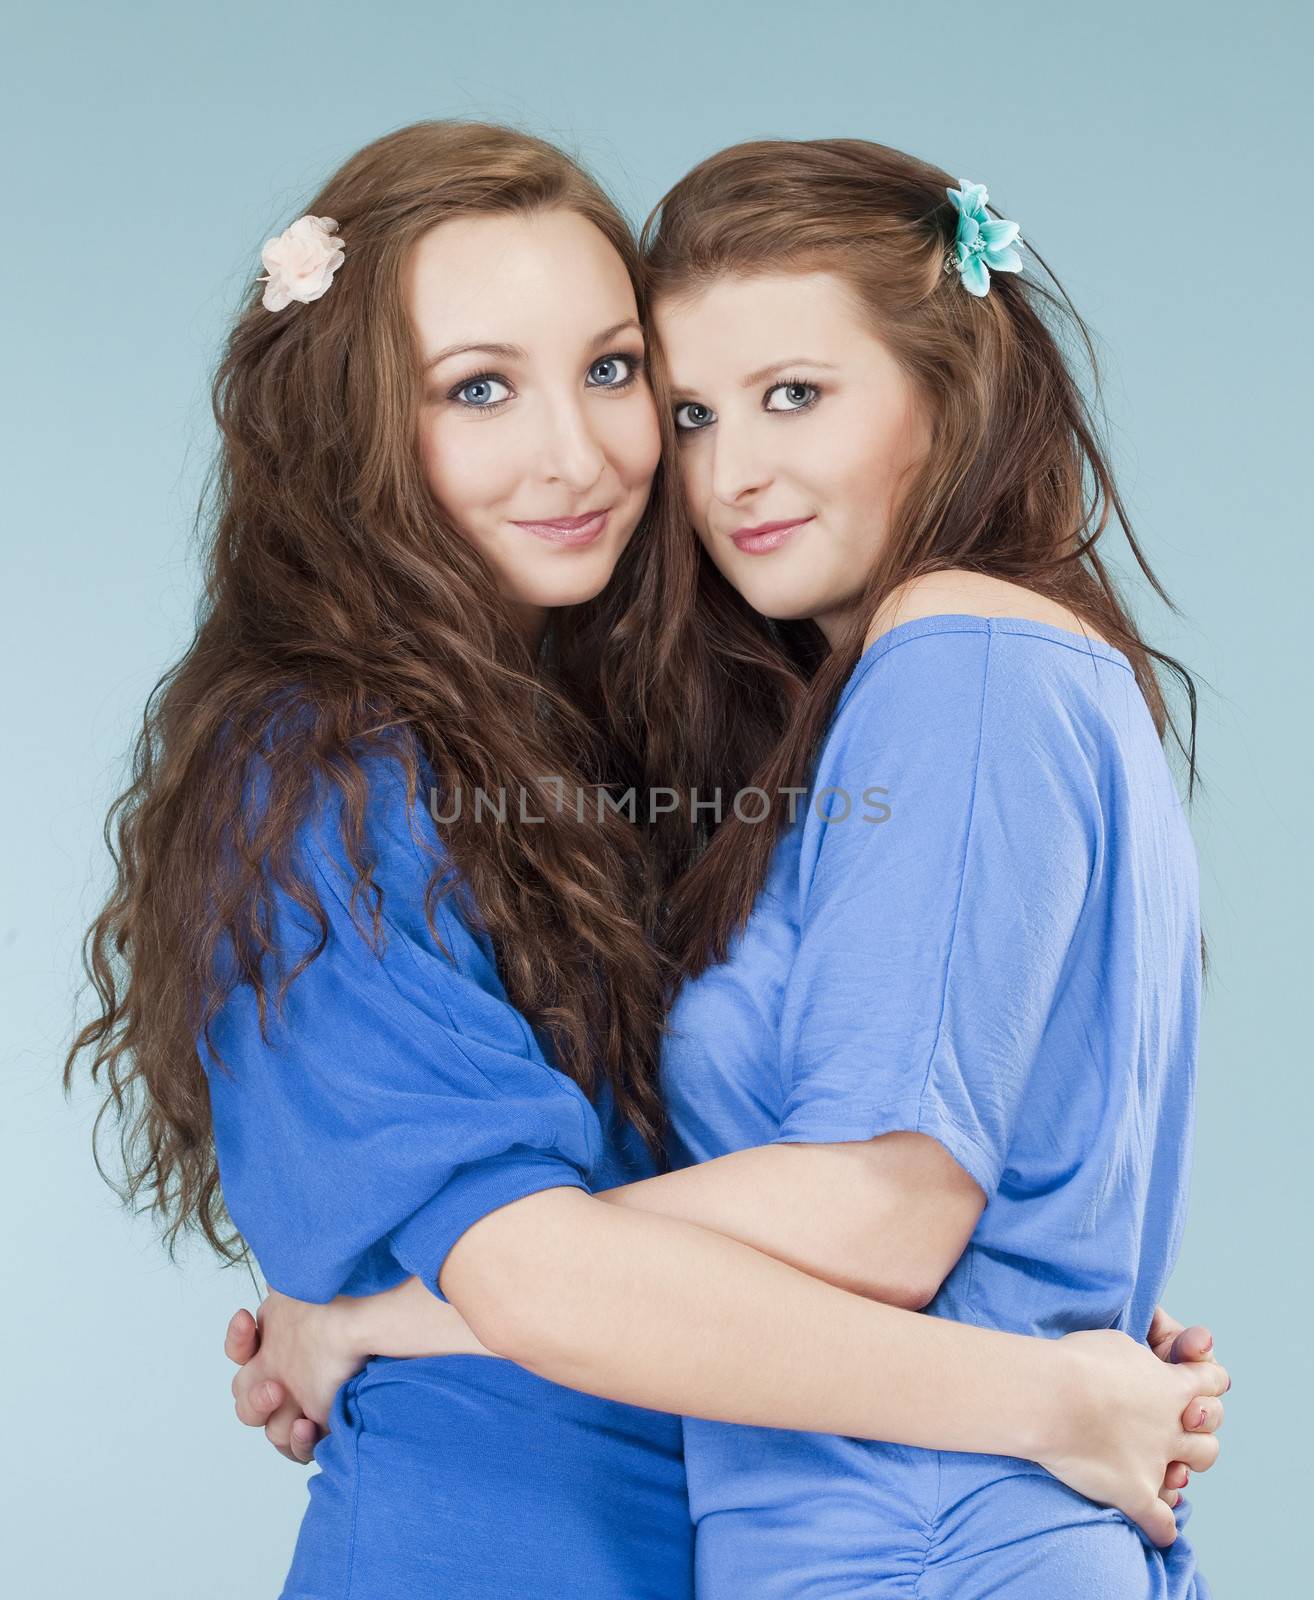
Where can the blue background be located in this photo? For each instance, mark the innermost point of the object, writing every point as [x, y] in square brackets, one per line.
[1155, 155]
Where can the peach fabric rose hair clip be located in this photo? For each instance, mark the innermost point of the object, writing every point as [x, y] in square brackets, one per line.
[300, 262]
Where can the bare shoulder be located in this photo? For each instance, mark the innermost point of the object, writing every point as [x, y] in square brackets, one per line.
[954, 592]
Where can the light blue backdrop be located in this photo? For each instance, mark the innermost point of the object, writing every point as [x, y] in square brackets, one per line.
[1155, 154]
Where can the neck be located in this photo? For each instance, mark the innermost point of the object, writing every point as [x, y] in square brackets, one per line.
[835, 623]
[533, 622]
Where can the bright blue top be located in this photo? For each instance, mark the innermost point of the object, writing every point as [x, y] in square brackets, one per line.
[993, 940]
[396, 1099]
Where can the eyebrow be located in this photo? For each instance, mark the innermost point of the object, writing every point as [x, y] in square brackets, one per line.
[514, 352]
[763, 373]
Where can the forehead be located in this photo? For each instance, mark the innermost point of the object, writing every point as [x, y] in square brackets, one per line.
[497, 277]
[737, 316]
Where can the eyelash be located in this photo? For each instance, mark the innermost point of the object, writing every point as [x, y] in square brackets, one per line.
[796, 383]
[634, 358]
[782, 383]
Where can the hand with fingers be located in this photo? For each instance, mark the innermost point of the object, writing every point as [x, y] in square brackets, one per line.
[286, 1385]
[1171, 1341]
[1133, 1422]
[294, 1356]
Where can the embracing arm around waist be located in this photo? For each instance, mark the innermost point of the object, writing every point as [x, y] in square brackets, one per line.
[662, 1313]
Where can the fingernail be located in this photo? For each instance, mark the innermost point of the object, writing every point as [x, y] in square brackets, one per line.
[1200, 1420]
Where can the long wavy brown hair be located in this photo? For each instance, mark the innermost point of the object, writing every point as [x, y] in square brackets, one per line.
[1015, 484]
[342, 608]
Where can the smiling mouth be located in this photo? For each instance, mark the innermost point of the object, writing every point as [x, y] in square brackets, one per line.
[766, 535]
[573, 531]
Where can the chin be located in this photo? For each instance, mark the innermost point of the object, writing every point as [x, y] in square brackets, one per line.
[571, 584]
[776, 597]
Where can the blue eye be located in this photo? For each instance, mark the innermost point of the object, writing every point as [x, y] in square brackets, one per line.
[481, 392]
[692, 416]
[798, 396]
[612, 372]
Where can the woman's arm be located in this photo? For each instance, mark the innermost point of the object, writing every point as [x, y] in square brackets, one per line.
[886, 1217]
[660, 1313]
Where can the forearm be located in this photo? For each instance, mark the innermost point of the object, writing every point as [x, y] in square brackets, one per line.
[663, 1314]
[885, 1218]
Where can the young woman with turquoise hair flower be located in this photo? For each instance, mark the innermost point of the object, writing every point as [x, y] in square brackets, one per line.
[937, 1055]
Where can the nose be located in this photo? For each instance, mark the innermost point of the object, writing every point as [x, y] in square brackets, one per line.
[572, 452]
[737, 467]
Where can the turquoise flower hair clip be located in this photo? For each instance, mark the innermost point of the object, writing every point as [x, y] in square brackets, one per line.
[982, 245]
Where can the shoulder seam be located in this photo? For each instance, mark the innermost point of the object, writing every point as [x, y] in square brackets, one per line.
[963, 627]
[866, 661]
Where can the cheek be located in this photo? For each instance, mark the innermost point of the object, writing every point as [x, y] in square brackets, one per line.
[464, 469]
[633, 438]
[694, 467]
[869, 479]
[862, 463]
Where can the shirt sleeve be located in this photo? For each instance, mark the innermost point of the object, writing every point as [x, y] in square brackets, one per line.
[933, 943]
[397, 1096]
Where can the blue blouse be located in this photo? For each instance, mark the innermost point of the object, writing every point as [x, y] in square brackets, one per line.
[397, 1098]
[982, 925]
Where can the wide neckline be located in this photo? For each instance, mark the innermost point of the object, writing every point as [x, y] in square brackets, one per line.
[973, 622]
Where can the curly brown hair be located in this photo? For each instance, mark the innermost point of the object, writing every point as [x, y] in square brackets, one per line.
[340, 608]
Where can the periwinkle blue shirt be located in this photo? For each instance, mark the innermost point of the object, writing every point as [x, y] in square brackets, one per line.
[394, 1100]
[982, 926]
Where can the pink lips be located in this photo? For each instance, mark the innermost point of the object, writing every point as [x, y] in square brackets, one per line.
[573, 531]
[766, 536]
